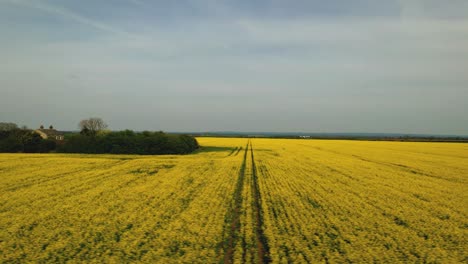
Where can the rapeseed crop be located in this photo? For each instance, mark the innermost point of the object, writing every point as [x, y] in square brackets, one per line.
[355, 201]
[239, 201]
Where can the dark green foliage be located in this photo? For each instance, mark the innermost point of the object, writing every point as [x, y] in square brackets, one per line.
[130, 142]
[24, 140]
[47, 145]
[86, 132]
[8, 126]
[122, 142]
[10, 145]
[31, 142]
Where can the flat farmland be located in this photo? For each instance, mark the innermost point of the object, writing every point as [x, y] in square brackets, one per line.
[240, 200]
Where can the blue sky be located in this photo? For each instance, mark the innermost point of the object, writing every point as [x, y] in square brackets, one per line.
[207, 65]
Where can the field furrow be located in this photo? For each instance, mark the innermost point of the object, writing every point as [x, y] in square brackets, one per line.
[327, 202]
[239, 200]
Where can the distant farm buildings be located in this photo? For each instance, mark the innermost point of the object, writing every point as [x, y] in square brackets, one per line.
[50, 133]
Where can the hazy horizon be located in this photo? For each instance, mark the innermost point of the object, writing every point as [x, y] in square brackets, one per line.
[396, 66]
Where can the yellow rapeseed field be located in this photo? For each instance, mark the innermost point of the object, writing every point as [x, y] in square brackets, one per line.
[355, 201]
[240, 200]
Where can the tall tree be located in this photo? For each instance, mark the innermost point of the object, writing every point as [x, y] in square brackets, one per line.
[92, 125]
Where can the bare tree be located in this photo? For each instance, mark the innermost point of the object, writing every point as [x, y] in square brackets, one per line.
[92, 125]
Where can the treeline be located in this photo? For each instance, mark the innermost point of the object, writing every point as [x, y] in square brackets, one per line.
[94, 141]
[130, 142]
[24, 140]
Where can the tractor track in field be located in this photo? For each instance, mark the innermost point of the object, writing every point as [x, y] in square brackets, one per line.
[234, 213]
[234, 236]
[263, 250]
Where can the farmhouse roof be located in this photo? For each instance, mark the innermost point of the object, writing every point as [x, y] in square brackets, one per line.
[50, 132]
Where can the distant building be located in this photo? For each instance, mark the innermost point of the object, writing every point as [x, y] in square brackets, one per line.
[50, 133]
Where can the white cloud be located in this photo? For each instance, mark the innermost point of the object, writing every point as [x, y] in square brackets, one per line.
[411, 9]
[355, 65]
[67, 14]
